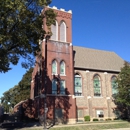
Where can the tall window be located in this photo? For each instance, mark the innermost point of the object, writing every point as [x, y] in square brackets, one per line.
[114, 85]
[62, 68]
[54, 67]
[54, 87]
[97, 85]
[62, 87]
[54, 29]
[78, 85]
[63, 32]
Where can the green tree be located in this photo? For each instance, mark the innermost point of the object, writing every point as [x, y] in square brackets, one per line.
[19, 92]
[20, 29]
[123, 95]
[122, 98]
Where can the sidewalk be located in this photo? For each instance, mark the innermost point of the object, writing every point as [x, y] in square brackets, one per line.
[119, 129]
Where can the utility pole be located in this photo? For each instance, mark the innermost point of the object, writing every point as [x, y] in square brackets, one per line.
[45, 83]
[43, 64]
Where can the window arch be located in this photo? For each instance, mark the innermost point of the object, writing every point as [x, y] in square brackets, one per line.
[78, 84]
[54, 67]
[63, 31]
[114, 84]
[97, 85]
[62, 68]
[54, 30]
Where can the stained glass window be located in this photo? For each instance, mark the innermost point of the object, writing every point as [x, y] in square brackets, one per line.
[78, 85]
[114, 85]
[54, 67]
[62, 68]
[62, 87]
[97, 86]
[54, 87]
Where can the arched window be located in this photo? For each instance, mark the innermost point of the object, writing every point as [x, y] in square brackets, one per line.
[54, 30]
[62, 68]
[97, 85]
[114, 85]
[63, 32]
[78, 85]
[54, 86]
[54, 67]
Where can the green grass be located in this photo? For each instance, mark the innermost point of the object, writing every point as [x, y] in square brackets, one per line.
[89, 126]
[95, 127]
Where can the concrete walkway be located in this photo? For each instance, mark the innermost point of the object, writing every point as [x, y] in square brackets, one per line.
[119, 129]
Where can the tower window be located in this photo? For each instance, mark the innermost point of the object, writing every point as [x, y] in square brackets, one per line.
[62, 68]
[54, 30]
[62, 87]
[63, 32]
[54, 67]
[54, 86]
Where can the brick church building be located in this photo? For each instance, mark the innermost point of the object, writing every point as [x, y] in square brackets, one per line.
[79, 81]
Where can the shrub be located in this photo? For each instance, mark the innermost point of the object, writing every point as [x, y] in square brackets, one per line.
[87, 118]
[95, 119]
[109, 119]
[116, 119]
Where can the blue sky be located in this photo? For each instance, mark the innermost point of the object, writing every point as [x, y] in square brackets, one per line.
[98, 24]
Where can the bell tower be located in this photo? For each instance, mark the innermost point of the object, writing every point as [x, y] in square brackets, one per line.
[60, 68]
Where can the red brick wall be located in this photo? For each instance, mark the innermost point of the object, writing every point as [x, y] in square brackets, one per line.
[59, 51]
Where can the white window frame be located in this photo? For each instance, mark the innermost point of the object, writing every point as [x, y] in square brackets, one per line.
[63, 23]
[64, 68]
[52, 67]
[56, 31]
[99, 112]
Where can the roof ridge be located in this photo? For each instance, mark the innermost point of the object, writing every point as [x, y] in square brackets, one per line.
[94, 49]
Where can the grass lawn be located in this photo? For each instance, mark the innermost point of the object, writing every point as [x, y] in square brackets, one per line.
[90, 126]
[96, 126]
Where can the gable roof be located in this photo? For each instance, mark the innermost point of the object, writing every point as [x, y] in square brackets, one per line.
[87, 58]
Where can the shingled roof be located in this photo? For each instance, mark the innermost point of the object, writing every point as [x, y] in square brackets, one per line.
[87, 58]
